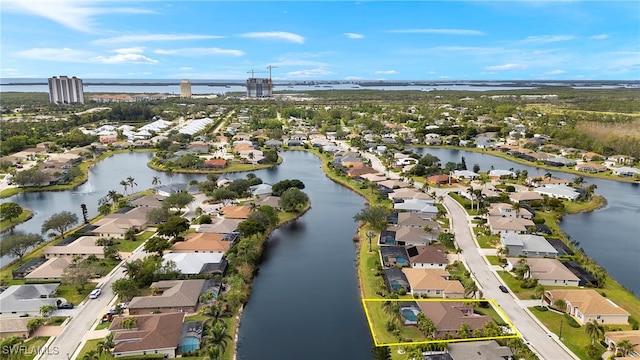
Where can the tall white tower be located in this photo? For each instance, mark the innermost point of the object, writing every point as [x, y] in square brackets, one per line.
[185, 89]
[65, 90]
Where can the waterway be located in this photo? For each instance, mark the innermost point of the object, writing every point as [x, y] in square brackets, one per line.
[305, 300]
[610, 235]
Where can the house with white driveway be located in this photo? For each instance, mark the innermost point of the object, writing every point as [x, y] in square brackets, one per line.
[528, 245]
[549, 272]
[586, 305]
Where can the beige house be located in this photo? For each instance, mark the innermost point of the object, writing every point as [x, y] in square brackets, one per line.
[448, 316]
[52, 269]
[116, 225]
[202, 242]
[507, 210]
[508, 225]
[83, 246]
[172, 296]
[614, 337]
[433, 283]
[14, 327]
[586, 305]
[524, 196]
[549, 272]
[408, 193]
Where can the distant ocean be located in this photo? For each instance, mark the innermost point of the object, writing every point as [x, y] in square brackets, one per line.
[202, 87]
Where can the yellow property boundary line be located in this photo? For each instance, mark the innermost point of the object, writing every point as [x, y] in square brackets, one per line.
[493, 303]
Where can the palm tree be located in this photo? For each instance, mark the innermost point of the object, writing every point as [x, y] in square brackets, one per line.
[156, 181]
[624, 347]
[91, 355]
[470, 289]
[46, 310]
[503, 252]
[212, 353]
[132, 182]
[218, 337]
[105, 345]
[125, 185]
[375, 216]
[213, 312]
[129, 323]
[578, 180]
[594, 330]
[170, 174]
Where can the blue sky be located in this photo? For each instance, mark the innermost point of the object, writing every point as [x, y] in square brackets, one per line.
[325, 40]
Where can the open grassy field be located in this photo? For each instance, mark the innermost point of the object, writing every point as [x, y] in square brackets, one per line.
[6, 224]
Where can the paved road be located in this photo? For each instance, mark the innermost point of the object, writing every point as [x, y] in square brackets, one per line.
[536, 336]
[86, 316]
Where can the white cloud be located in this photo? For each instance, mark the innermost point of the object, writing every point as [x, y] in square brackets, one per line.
[199, 51]
[74, 14]
[506, 67]
[185, 68]
[555, 72]
[279, 35]
[385, 72]
[310, 73]
[543, 39]
[438, 31]
[599, 37]
[130, 50]
[124, 58]
[154, 37]
[53, 54]
[353, 35]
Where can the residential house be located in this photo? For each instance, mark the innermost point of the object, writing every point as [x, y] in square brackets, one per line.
[618, 160]
[507, 210]
[83, 247]
[612, 338]
[591, 156]
[171, 296]
[261, 190]
[116, 225]
[544, 181]
[399, 195]
[586, 305]
[273, 201]
[464, 174]
[440, 180]
[549, 272]
[448, 317]
[508, 225]
[236, 212]
[498, 174]
[406, 235]
[150, 201]
[524, 196]
[427, 257]
[359, 171]
[216, 164]
[152, 334]
[625, 171]
[220, 226]
[558, 192]
[433, 283]
[202, 242]
[392, 184]
[374, 177]
[10, 327]
[415, 219]
[21, 300]
[416, 205]
[591, 167]
[479, 350]
[527, 245]
[52, 269]
[198, 263]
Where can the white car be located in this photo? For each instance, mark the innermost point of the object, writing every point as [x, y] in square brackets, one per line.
[95, 293]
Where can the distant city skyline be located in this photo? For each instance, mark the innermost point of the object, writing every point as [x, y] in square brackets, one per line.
[327, 40]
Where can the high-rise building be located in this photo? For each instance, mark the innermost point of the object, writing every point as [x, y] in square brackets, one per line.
[259, 87]
[65, 90]
[185, 89]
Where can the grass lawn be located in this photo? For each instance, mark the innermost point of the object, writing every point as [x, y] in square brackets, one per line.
[5, 224]
[8, 192]
[514, 286]
[379, 320]
[70, 293]
[494, 260]
[57, 320]
[33, 345]
[491, 312]
[368, 267]
[103, 325]
[576, 339]
[487, 242]
[128, 245]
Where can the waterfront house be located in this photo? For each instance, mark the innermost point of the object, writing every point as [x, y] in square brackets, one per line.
[612, 338]
[440, 180]
[394, 256]
[586, 305]
[261, 190]
[543, 181]
[507, 210]
[83, 247]
[498, 174]
[558, 192]
[26, 300]
[508, 225]
[220, 226]
[448, 317]
[549, 272]
[151, 201]
[424, 207]
[464, 175]
[427, 257]
[202, 242]
[524, 196]
[625, 171]
[197, 263]
[236, 212]
[52, 269]
[359, 171]
[591, 167]
[374, 177]
[406, 235]
[433, 283]
[415, 219]
[399, 195]
[171, 296]
[152, 334]
[116, 225]
[527, 245]
[216, 164]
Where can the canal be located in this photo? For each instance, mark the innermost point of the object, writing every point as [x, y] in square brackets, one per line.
[610, 236]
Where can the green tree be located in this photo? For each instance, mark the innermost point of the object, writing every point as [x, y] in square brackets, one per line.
[381, 353]
[158, 215]
[560, 304]
[217, 336]
[125, 185]
[624, 347]
[293, 199]
[125, 288]
[464, 331]
[375, 216]
[157, 244]
[18, 244]
[177, 200]
[173, 226]
[155, 181]
[46, 310]
[60, 222]
[78, 274]
[129, 323]
[10, 211]
[33, 176]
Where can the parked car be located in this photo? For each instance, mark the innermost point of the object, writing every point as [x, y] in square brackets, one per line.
[504, 289]
[66, 305]
[95, 293]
